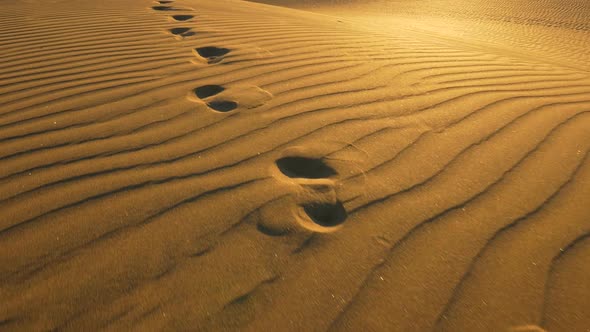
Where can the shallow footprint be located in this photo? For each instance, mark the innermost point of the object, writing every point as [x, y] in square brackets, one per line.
[182, 17]
[211, 54]
[304, 167]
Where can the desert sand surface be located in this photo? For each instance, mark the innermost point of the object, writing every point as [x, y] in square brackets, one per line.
[224, 165]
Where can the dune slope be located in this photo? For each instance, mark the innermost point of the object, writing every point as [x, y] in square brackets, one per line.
[221, 165]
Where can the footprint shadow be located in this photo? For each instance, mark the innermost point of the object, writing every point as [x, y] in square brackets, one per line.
[304, 167]
[182, 32]
[182, 18]
[164, 8]
[207, 91]
[326, 214]
[211, 54]
[223, 105]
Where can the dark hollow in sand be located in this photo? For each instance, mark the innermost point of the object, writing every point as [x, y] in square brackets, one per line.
[182, 17]
[211, 52]
[223, 105]
[326, 214]
[206, 91]
[179, 31]
[163, 8]
[303, 167]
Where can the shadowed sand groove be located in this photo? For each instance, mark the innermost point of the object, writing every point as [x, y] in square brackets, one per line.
[364, 168]
[566, 305]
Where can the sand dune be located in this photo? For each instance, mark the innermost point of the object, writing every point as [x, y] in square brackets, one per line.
[555, 31]
[230, 165]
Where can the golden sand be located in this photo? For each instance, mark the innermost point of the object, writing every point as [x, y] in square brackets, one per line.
[220, 165]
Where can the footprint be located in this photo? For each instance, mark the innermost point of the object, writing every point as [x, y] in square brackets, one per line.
[226, 99]
[321, 217]
[304, 167]
[211, 54]
[326, 214]
[164, 8]
[182, 17]
[182, 32]
[223, 105]
[220, 104]
[314, 202]
[163, 2]
[207, 91]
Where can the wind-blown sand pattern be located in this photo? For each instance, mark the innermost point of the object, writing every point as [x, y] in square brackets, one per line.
[226, 165]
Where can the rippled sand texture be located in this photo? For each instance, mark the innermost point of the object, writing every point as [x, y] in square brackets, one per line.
[212, 165]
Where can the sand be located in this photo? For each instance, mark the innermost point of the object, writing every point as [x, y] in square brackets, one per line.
[220, 165]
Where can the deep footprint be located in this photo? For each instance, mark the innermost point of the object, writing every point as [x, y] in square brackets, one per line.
[223, 105]
[207, 91]
[163, 2]
[182, 17]
[326, 214]
[211, 53]
[303, 167]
